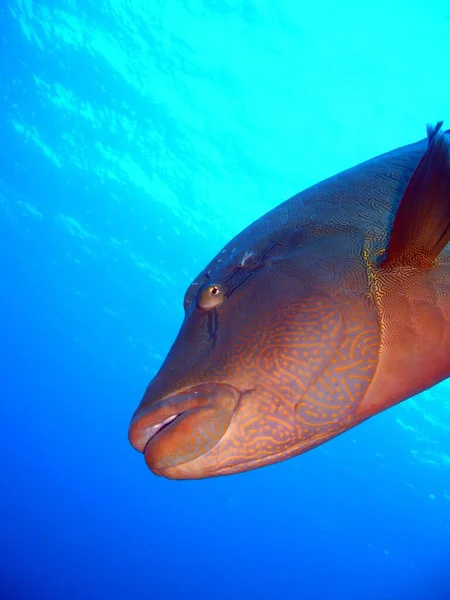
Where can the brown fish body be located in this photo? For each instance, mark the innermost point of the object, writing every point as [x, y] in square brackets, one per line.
[329, 309]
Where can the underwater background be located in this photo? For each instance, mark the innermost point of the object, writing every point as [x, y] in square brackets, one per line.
[136, 138]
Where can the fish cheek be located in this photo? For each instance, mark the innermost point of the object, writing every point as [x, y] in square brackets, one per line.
[313, 370]
[329, 405]
[295, 341]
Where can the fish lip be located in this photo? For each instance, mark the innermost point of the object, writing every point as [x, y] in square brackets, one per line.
[152, 430]
[153, 416]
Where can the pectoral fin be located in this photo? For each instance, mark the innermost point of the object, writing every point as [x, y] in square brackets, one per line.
[421, 227]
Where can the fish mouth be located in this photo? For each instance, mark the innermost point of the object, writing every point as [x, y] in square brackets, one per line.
[152, 418]
[152, 430]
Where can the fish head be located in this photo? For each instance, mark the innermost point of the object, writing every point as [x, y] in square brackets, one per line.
[261, 326]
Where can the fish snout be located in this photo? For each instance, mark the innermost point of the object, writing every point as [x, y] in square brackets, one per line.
[177, 429]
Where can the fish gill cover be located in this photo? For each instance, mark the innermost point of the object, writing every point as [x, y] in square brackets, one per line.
[136, 138]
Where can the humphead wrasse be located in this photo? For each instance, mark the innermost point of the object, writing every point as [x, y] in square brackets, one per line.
[327, 310]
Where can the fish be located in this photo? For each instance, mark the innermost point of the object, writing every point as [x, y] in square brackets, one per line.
[330, 308]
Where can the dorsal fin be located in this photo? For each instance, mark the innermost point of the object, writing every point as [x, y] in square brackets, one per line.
[421, 227]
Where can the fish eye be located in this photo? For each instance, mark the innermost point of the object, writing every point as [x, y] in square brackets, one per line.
[211, 297]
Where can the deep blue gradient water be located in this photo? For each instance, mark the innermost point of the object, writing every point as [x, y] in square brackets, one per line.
[136, 137]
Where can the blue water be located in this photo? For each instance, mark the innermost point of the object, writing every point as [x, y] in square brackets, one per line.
[138, 136]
